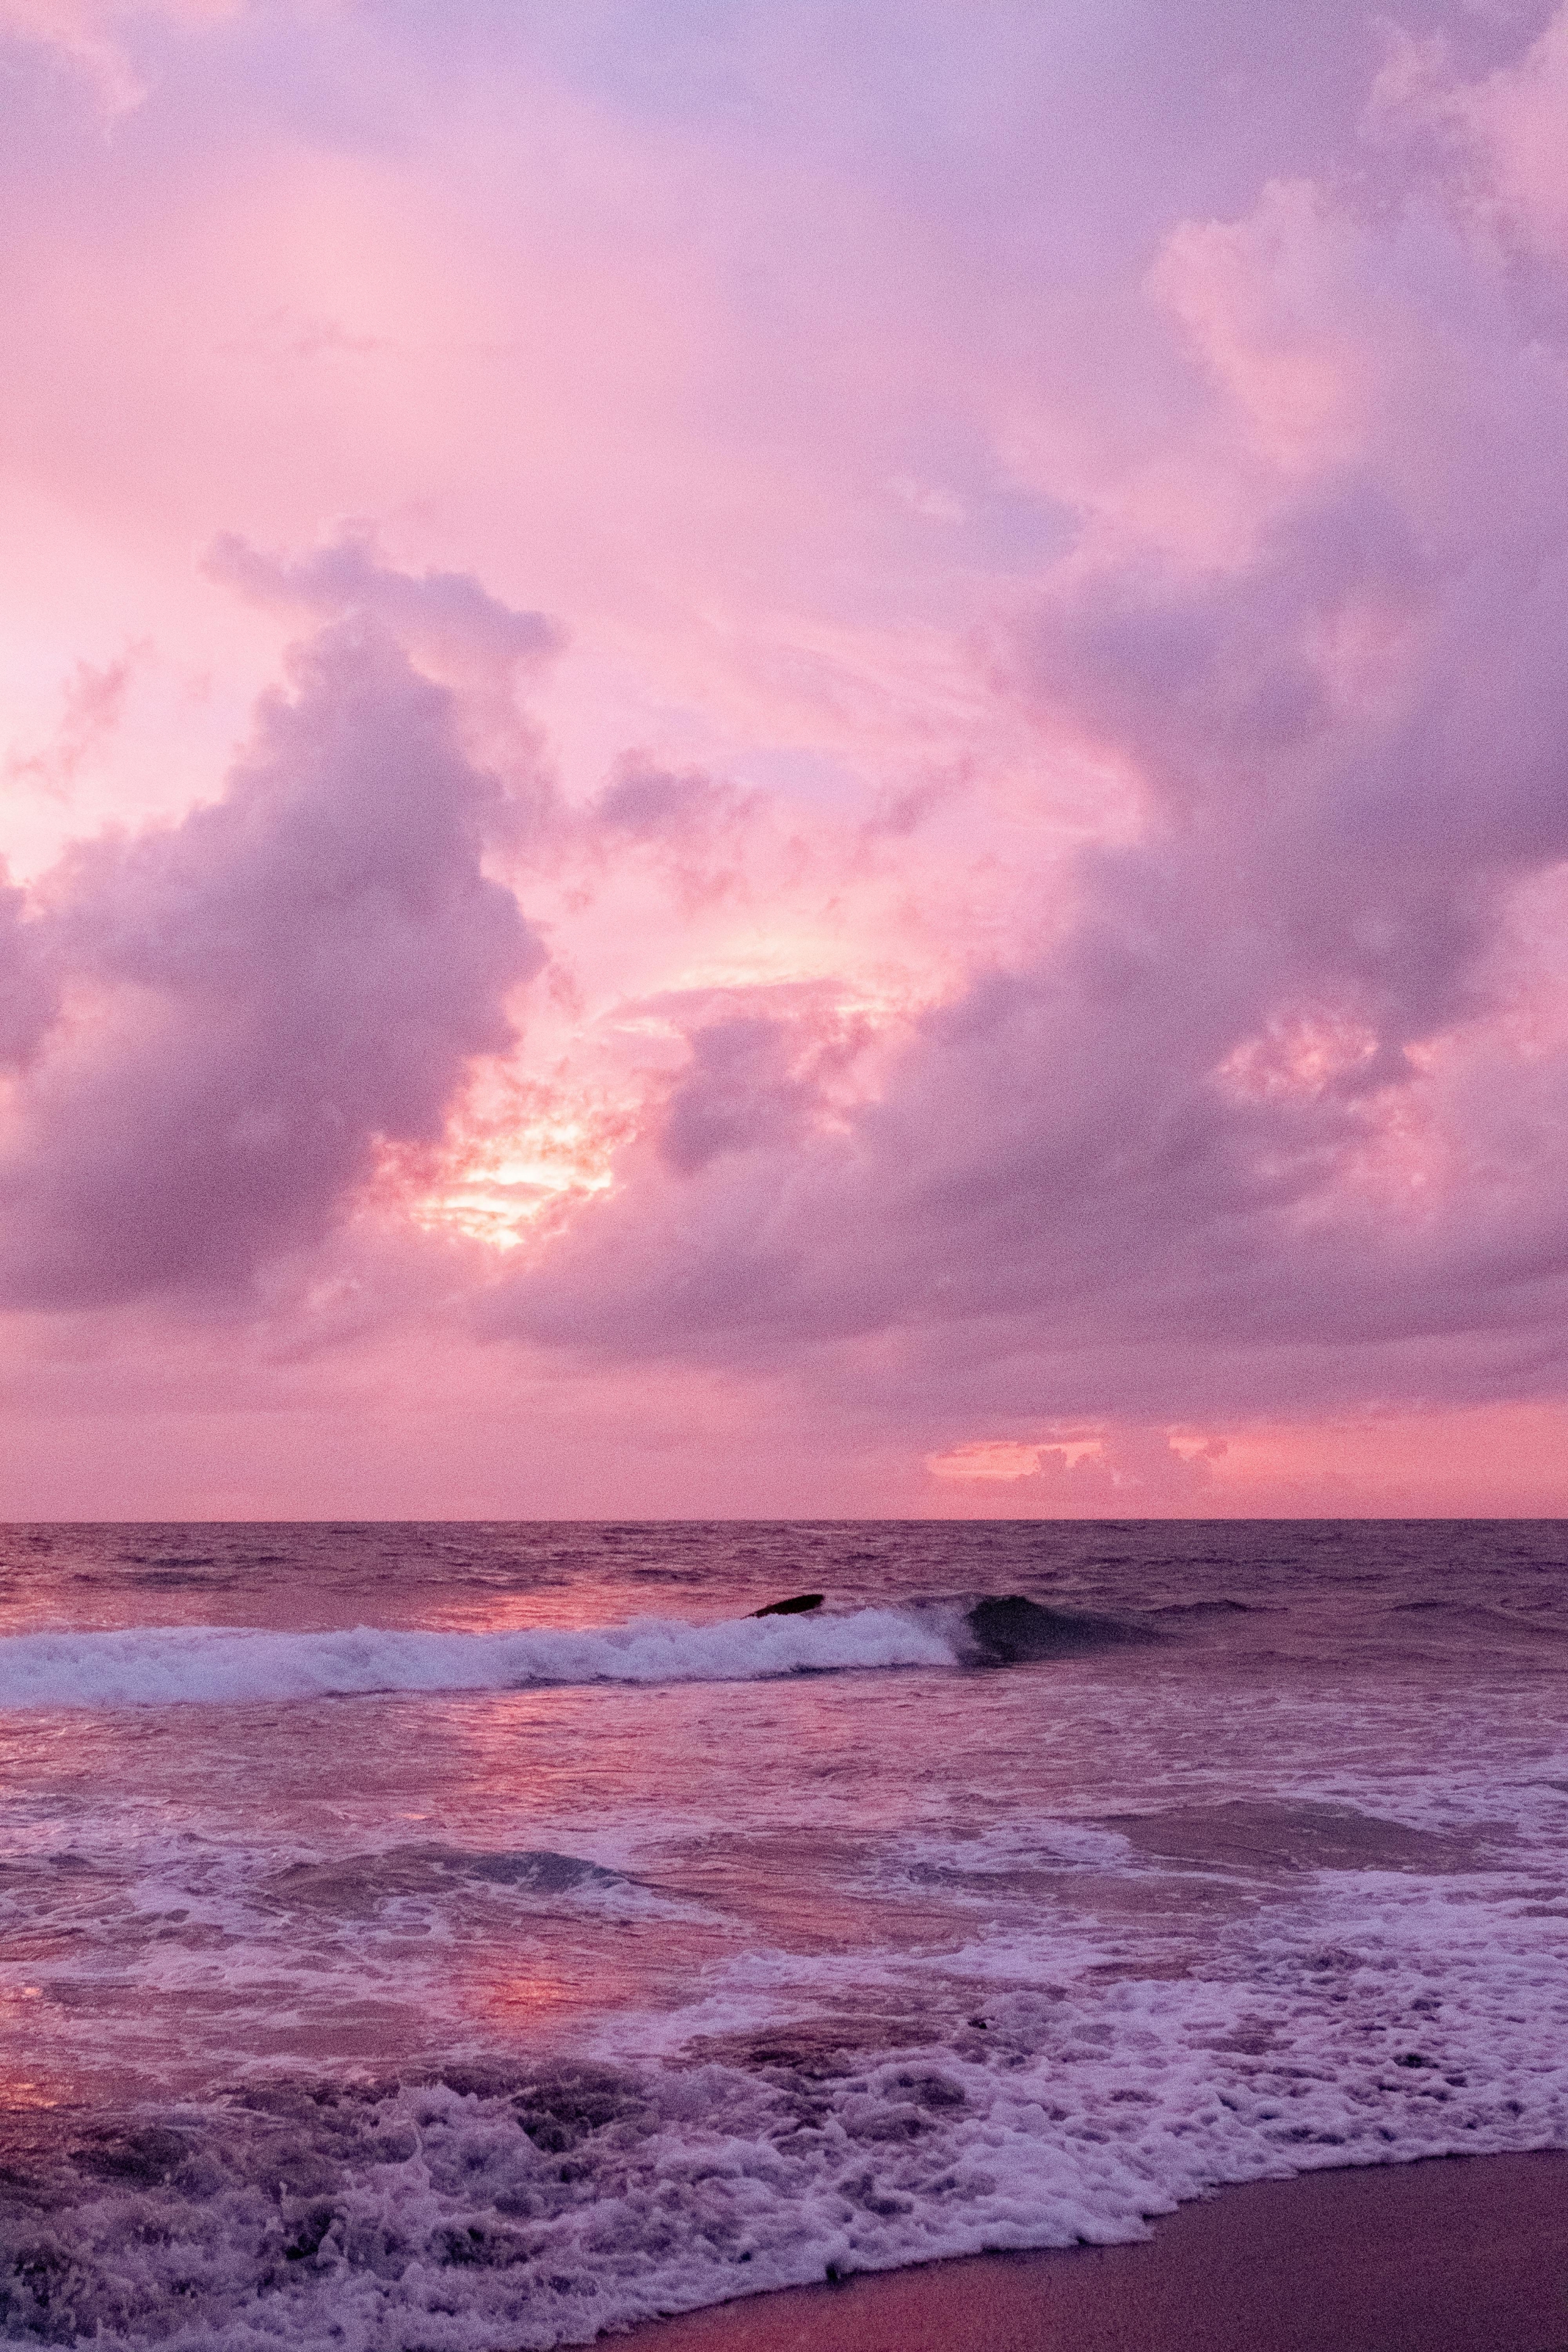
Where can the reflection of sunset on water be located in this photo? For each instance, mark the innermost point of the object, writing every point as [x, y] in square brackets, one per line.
[631, 1966]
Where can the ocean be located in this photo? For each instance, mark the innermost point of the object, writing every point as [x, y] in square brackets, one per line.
[463, 1939]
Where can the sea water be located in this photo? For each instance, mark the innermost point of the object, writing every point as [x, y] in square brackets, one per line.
[482, 1937]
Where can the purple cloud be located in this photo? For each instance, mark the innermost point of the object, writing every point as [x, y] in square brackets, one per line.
[445, 614]
[280, 983]
[1166, 1153]
[28, 997]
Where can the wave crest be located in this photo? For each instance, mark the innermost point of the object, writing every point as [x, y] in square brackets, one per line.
[163, 1666]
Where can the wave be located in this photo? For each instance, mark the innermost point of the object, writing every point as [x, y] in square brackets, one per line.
[1206, 1609]
[163, 1666]
[1012, 1632]
[515, 2207]
[1471, 1613]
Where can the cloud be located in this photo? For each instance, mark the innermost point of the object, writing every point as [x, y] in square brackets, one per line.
[645, 803]
[92, 704]
[264, 994]
[28, 997]
[445, 620]
[688, 829]
[1082, 947]
[1128, 1474]
[758, 1079]
[1258, 1119]
[87, 33]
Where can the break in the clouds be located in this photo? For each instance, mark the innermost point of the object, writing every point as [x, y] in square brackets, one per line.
[1024, 703]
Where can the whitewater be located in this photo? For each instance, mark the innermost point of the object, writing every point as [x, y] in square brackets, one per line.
[163, 1666]
[408, 1937]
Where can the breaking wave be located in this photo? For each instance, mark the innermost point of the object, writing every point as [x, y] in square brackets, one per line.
[501, 2211]
[163, 1666]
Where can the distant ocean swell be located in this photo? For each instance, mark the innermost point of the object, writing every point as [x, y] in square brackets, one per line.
[161, 1666]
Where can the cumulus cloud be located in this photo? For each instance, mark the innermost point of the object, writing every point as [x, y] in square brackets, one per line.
[1250, 1112]
[28, 995]
[1126, 1474]
[256, 999]
[446, 620]
[448, 623]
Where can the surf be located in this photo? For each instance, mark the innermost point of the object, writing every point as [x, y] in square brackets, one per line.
[165, 1665]
[168, 1665]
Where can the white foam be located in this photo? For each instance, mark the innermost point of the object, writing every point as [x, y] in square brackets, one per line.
[443, 2215]
[163, 1666]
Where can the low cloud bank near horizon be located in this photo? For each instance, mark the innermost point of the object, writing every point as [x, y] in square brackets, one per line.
[1028, 998]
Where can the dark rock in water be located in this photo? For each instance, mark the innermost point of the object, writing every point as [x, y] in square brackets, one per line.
[1011, 1632]
[799, 1607]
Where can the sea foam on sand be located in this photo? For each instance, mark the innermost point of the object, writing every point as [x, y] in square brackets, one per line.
[1467, 2257]
[492, 2211]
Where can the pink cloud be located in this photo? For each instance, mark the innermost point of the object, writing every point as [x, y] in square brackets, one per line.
[248, 1003]
[88, 35]
[1349, 737]
[1038, 801]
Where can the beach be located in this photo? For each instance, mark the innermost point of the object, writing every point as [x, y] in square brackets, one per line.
[1464, 2254]
[489, 1938]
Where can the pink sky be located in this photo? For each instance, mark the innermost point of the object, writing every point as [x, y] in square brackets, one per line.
[791, 759]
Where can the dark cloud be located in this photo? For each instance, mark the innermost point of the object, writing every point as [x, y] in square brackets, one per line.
[273, 988]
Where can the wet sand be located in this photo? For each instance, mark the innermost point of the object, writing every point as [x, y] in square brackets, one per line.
[1462, 2255]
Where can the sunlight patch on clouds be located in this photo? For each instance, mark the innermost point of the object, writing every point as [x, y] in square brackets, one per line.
[521, 1154]
[1299, 1054]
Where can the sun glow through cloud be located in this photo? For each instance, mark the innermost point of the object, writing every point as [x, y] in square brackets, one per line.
[838, 797]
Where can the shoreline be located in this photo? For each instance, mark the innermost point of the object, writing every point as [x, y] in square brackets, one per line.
[1466, 2253]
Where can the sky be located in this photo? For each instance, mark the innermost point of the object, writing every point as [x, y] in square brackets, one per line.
[783, 758]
